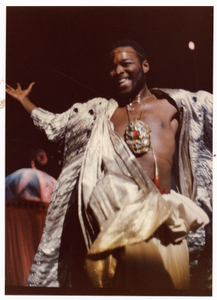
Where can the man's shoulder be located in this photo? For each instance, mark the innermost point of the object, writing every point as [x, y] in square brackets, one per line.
[98, 101]
[92, 103]
[93, 106]
[182, 96]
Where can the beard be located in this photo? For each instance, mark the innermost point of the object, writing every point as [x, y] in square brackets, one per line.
[124, 98]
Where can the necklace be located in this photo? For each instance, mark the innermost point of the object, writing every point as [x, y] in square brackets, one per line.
[137, 134]
[130, 105]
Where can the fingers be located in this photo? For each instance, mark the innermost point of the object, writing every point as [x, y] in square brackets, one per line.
[18, 87]
[31, 85]
[8, 86]
[9, 89]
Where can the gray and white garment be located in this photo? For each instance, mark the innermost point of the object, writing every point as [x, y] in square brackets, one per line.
[192, 169]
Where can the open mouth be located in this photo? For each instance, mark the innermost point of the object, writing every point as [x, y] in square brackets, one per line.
[123, 81]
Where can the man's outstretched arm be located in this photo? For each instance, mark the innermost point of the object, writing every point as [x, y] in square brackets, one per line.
[54, 125]
[22, 96]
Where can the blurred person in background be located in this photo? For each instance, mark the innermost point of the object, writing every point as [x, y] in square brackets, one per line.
[31, 183]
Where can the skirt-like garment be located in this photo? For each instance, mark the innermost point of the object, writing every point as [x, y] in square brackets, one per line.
[161, 261]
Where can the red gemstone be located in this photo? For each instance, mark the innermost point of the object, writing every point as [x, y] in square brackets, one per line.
[136, 133]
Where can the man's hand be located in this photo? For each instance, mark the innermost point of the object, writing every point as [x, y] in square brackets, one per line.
[22, 96]
[18, 93]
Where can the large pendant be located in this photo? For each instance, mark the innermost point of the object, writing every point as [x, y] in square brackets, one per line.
[138, 136]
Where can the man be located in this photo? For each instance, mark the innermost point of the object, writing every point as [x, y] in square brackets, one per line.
[31, 183]
[118, 161]
[25, 220]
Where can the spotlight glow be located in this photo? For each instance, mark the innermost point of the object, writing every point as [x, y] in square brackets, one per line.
[191, 45]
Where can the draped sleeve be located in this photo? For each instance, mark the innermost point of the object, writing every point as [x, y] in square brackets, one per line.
[52, 124]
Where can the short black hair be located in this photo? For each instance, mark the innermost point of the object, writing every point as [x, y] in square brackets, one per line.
[136, 46]
[32, 155]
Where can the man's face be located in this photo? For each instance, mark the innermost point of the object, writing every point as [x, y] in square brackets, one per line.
[126, 72]
[41, 157]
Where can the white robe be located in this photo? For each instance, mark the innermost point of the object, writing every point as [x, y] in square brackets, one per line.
[129, 208]
[75, 127]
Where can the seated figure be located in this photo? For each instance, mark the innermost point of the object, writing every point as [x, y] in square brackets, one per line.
[31, 183]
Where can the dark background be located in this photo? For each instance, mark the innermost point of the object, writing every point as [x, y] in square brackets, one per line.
[65, 51]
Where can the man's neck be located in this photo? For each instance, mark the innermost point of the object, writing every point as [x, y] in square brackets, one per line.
[124, 100]
[141, 95]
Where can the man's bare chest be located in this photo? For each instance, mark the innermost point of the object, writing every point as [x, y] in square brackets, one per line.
[160, 116]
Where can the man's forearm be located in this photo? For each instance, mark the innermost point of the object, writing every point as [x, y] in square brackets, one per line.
[28, 105]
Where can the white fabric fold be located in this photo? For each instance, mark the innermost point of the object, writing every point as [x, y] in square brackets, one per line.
[185, 216]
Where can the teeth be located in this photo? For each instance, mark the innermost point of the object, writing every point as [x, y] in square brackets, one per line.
[122, 80]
